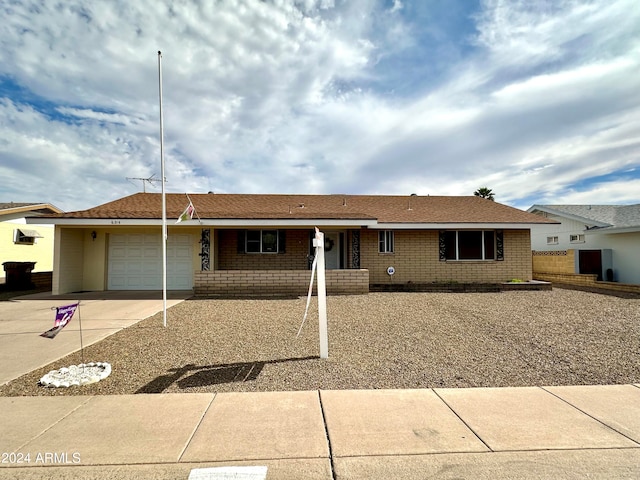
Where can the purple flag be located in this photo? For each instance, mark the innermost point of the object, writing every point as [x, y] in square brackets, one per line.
[63, 317]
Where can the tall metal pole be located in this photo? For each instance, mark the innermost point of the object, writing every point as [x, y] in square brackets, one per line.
[164, 200]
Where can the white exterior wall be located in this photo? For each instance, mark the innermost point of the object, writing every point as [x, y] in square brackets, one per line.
[626, 254]
[625, 246]
[539, 234]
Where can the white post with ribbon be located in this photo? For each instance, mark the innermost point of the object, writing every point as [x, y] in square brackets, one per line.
[319, 265]
[318, 242]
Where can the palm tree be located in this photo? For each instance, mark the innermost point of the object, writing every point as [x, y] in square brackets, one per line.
[484, 192]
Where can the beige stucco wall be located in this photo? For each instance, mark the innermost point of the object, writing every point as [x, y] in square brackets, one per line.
[95, 255]
[83, 261]
[68, 259]
[40, 252]
[416, 259]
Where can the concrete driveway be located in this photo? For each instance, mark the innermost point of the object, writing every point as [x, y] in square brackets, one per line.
[23, 319]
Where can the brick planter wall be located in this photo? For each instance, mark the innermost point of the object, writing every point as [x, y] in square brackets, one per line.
[277, 282]
[586, 280]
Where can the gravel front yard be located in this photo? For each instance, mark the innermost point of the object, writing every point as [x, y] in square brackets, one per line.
[380, 340]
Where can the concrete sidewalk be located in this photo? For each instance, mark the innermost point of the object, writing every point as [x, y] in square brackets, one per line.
[484, 433]
[24, 318]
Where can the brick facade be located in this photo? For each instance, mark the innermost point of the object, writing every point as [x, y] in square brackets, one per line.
[556, 261]
[294, 258]
[416, 259]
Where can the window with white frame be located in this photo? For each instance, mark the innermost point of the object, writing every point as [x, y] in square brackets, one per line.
[385, 241]
[261, 241]
[552, 240]
[469, 245]
[578, 238]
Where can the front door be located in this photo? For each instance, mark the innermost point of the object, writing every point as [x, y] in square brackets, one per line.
[332, 250]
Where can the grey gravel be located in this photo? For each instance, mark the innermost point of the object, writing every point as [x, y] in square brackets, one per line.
[380, 340]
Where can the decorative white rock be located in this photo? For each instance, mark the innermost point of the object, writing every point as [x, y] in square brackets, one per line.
[77, 375]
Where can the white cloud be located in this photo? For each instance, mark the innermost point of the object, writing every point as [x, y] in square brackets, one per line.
[281, 97]
[620, 192]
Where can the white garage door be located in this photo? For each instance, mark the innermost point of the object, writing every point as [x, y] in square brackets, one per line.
[135, 262]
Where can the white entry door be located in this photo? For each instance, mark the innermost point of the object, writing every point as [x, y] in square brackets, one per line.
[332, 250]
[135, 262]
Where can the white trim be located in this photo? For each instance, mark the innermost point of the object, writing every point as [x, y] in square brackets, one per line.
[279, 222]
[482, 246]
[611, 230]
[388, 242]
[455, 226]
[239, 222]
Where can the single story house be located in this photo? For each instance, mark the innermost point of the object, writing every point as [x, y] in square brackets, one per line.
[605, 237]
[256, 244]
[20, 242]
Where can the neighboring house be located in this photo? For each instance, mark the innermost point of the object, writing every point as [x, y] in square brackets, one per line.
[20, 242]
[605, 237]
[255, 244]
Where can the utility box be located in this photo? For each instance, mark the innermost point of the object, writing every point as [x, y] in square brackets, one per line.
[18, 275]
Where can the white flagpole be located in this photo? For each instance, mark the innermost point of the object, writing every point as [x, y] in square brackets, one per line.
[164, 200]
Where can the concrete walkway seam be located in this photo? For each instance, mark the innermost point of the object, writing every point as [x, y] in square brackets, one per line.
[53, 424]
[594, 418]
[326, 431]
[463, 421]
[188, 442]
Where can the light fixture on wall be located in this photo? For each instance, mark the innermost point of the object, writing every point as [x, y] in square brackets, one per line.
[94, 235]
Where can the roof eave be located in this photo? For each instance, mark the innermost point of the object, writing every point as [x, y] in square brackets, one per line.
[612, 230]
[224, 222]
[32, 209]
[457, 225]
[268, 222]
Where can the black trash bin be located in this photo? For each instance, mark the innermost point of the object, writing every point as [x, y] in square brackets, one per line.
[609, 275]
[18, 275]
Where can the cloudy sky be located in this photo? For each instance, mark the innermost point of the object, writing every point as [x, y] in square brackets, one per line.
[537, 100]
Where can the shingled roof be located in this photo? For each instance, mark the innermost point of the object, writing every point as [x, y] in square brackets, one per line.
[368, 208]
[600, 217]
